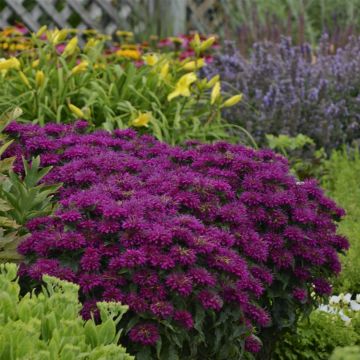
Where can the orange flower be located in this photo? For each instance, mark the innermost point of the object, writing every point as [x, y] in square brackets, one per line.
[129, 54]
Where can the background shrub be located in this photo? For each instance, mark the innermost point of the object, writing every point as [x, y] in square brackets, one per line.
[291, 90]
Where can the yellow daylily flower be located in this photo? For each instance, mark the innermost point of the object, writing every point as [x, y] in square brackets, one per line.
[11, 63]
[76, 111]
[39, 78]
[81, 67]
[142, 120]
[182, 87]
[129, 54]
[151, 59]
[194, 65]
[71, 46]
[24, 79]
[233, 100]
[215, 92]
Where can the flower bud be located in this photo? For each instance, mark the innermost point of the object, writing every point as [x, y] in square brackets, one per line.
[233, 100]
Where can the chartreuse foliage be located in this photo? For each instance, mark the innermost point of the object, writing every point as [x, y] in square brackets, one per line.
[346, 353]
[317, 337]
[21, 197]
[48, 326]
[342, 184]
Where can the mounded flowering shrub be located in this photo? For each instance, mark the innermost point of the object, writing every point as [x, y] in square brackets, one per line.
[204, 243]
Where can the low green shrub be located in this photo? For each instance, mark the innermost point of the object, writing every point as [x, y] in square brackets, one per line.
[346, 353]
[48, 326]
[317, 337]
[342, 184]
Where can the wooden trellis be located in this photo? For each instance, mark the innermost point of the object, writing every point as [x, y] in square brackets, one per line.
[109, 15]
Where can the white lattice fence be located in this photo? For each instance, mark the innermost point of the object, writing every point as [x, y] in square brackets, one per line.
[108, 15]
[105, 15]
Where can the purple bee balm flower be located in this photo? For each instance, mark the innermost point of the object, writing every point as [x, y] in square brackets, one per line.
[180, 283]
[145, 334]
[210, 300]
[162, 309]
[184, 318]
[300, 294]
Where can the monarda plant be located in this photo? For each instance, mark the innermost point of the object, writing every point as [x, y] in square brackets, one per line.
[208, 245]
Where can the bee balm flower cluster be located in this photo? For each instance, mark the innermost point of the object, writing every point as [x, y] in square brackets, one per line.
[168, 230]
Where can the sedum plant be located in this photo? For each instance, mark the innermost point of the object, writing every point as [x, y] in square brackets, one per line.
[47, 325]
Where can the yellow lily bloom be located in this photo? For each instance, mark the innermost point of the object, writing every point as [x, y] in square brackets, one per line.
[151, 59]
[194, 65]
[12, 63]
[70, 47]
[39, 78]
[80, 68]
[182, 87]
[76, 111]
[24, 79]
[213, 81]
[233, 100]
[215, 93]
[142, 120]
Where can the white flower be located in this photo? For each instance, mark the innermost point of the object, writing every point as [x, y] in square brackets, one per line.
[345, 318]
[347, 299]
[326, 308]
[358, 298]
[334, 300]
[354, 305]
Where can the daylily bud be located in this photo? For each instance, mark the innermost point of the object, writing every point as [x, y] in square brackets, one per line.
[213, 81]
[41, 31]
[76, 111]
[80, 68]
[194, 65]
[24, 79]
[233, 100]
[39, 78]
[70, 47]
[215, 93]
[35, 63]
[207, 43]
[164, 70]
